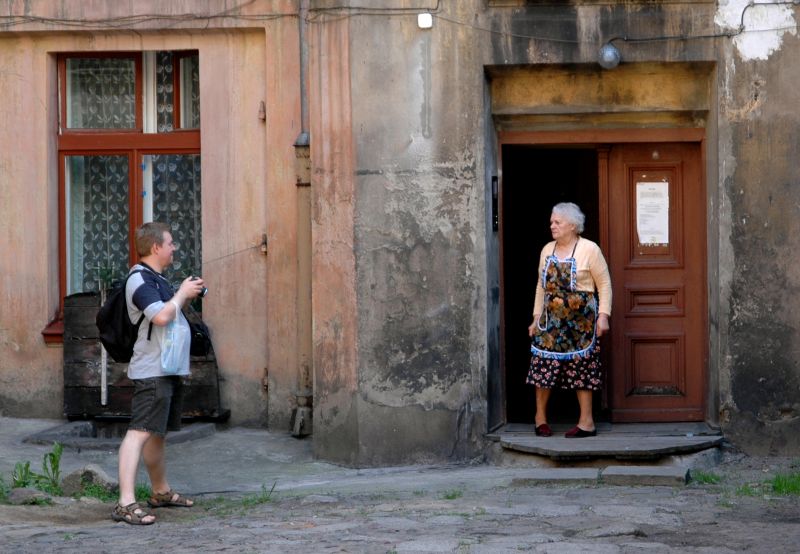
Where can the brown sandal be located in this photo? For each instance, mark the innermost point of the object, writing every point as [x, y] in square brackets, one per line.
[132, 514]
[169, 498]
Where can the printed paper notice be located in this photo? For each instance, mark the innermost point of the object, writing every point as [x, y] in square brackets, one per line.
[652, 213]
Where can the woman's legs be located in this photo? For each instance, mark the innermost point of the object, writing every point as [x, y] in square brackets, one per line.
[586, 421]
[542, 396]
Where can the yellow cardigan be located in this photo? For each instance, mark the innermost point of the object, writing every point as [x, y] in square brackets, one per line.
[592, 274]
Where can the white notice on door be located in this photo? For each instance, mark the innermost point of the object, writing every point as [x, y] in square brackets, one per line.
[652, 213]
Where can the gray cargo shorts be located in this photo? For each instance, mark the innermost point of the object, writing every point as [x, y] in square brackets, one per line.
[157, 405]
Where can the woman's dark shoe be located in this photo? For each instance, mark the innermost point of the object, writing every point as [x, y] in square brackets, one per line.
[544, 430]
[578, 433]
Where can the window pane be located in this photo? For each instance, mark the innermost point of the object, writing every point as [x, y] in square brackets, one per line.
[176, 201]
[190, 92]
[165, 97]
[97, 220]
[101, 93]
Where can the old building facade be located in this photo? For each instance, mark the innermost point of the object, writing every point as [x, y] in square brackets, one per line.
[394, 287]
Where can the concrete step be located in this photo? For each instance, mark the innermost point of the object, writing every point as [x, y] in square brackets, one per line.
[632, 475]
[620, 447]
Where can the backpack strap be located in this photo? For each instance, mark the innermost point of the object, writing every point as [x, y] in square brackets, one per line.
[150, 328]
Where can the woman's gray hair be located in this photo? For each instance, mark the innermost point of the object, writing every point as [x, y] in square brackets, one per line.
[572, 213]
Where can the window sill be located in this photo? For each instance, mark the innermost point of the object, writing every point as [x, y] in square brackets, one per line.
[54, 332]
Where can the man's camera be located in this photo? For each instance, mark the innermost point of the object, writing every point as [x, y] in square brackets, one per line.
[203, 291]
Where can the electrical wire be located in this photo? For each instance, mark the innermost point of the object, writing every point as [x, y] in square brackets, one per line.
[337, 13]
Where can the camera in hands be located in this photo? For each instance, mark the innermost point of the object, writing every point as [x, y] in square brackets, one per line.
[203, 291]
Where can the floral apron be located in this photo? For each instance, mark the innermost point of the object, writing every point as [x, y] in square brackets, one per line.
[564, 347]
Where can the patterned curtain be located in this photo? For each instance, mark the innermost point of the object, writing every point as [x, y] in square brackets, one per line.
[190, 92]
[98, 227]
[165, 95]
[101, 93]
[176, 201]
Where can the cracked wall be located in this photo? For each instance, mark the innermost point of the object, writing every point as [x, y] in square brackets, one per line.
[760, 137]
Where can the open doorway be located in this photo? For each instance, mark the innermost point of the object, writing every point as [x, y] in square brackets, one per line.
[536, 178]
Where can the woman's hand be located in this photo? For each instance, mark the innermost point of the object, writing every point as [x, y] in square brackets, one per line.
[602, 324]
[532, 327]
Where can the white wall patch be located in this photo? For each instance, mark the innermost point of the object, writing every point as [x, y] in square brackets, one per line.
[764, 26]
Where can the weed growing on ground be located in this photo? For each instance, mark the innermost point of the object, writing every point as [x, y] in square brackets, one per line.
[452, 494]
[705, 478]
[141, 492]
[221, 506]
[420, 493]
[23, 476]
[93, 490]
[48, 481]
[747, 490]
[786, 484]
[261, 498]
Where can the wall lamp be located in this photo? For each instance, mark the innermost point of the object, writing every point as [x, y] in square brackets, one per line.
[609, 57]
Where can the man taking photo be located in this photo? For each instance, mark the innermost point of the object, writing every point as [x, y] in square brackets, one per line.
[157, 397]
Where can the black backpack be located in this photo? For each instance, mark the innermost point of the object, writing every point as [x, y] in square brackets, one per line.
[117, 333]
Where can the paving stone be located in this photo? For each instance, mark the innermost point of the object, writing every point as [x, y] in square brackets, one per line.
[645, 475]
[429, 545]
[21, 496]
[90, 474]
[319, 499]
[560, 476]
[618, 530]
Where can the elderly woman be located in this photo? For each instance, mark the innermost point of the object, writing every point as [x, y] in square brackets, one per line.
[568, 318]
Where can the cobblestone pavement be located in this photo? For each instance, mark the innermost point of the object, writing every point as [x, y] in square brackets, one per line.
[320, 507]
[456, 509]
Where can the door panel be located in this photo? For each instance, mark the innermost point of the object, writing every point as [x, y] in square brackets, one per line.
[656, 254]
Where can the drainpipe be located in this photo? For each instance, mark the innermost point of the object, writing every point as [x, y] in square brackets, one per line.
[301, 422]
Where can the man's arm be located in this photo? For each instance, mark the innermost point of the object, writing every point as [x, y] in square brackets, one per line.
[189, 289]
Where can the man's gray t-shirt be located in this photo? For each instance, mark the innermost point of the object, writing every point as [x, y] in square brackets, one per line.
[146, 292]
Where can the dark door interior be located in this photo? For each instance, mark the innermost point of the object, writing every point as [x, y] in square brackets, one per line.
[534, 180]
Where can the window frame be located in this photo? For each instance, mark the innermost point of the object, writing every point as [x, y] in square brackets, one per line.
[134, 143]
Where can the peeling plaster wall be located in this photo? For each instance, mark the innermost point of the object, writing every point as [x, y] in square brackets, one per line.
[419, 230]
[759, 179]
[422, 267]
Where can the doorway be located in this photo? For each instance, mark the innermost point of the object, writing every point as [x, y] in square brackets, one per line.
[657, 365]
[535, 178]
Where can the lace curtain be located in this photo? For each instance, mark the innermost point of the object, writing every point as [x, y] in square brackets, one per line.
[98, 229]
[101, 93]
[176, 201]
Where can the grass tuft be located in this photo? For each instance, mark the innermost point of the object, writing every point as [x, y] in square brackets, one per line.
[452, 494]
[261, 498]
[786, 484]
[705, 478]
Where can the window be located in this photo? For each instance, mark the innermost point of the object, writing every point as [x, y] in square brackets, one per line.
[129, 152]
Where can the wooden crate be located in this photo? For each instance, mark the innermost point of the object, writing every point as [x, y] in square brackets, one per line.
[82, 372]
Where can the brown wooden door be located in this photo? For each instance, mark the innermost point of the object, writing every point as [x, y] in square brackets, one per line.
[657, 369]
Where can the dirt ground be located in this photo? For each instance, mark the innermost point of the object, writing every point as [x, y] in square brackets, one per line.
[446, 510]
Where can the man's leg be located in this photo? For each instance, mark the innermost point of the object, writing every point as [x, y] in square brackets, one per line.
[129, 452]
[153, 455]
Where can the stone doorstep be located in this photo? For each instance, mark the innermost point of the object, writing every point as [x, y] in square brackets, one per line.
[611, 475]
[558, 476]
[669, 476]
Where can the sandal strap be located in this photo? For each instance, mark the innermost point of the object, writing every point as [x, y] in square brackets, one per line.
[131, 509]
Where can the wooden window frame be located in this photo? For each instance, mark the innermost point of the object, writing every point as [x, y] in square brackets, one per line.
[97, 142]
